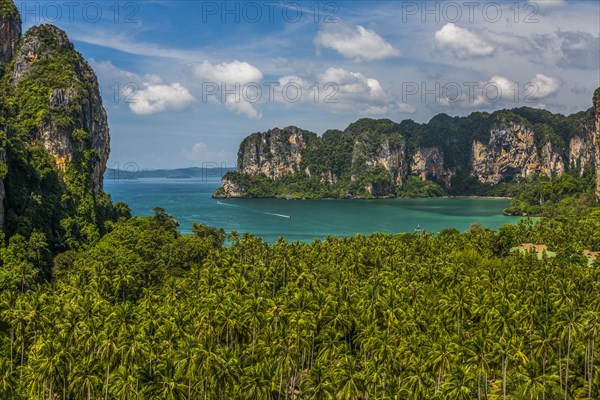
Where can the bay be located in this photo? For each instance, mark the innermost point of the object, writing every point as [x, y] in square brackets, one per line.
[189, 200]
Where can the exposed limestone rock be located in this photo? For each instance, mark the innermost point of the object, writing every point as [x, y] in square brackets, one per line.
[275, 153]
[80, 101]
[597, 139]
[327, 178]
[391, 157]
[10, 31]
[581, 152]
[552, 162]
[376, 189]
[373, 157]
[231, 189]
[510, 153]
[428, 162]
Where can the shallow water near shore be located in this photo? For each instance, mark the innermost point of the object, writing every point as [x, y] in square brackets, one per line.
[189, 200]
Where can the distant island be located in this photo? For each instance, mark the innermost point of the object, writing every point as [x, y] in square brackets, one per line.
[544, 161]
[179, 173]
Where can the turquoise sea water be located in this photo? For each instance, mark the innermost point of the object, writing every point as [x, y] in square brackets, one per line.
[188, 200]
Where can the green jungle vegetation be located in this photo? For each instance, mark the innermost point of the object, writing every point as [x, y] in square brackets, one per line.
[568, 194]
[8, 9]
[537, 195]
[40, 197]
[97, 304]
[333, 151]
[145, 313]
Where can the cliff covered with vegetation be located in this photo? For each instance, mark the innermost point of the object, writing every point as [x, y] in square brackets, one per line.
[55, 138]
[483, 154]
[97, 304]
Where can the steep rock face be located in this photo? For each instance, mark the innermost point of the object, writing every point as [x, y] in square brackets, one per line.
[326, 178]
[72, 104]
[597, 139]
[10, 35]
[372, 158]
[379, 189]
[511, 152]
[275, 153]
[428, 162]
[387, 155]
[231, 189]
[552, 161]
[581, 151]
[10, 31]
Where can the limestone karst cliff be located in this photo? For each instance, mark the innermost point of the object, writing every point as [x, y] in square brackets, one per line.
[10, 35]
[512, 152]
[597, 139]
[375, 158]
[10, 32]
[73, 115]
[57, 136]
[581, 151]
[369, 153]
[275, 153]
[428, 163]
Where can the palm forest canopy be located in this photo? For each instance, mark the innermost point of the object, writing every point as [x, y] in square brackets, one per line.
[98, 304]
[146, 313]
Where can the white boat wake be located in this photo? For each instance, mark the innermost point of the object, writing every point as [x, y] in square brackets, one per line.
[262, 212]
[278, 215]
[228, 205]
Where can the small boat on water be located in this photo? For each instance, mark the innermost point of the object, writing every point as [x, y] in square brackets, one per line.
[419, 229]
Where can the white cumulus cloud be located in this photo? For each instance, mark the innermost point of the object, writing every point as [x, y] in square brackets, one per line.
[227, 72]
[499, 90]
[465, 43]
[359, 44]
[347, 92]
[231, 76]
[355, 86]
[544, 85]
[462, 42]
[155, 98]
[144, 94]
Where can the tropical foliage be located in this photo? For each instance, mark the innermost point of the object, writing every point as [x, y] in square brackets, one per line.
[149, 314]
[341, 163]
[568, 194]
[8, 9]
[41, 196]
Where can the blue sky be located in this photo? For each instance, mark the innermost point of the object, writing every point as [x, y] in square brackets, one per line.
[162, 65]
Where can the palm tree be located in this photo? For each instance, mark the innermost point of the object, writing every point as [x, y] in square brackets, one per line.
[458, 384]
[317, 384]
[590, 329]
[124, 385]
[416, 383]
[8, 379]
[107, 349]
[349, 379]
[477, 356]
[168, 382]
[533, 381]
[85, 378]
